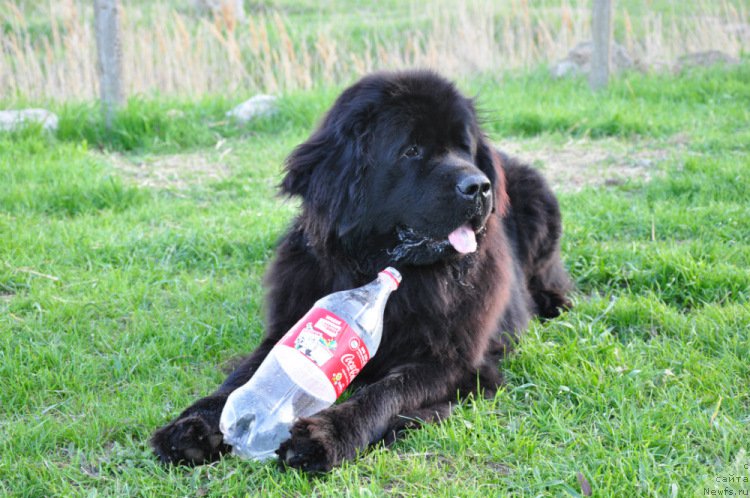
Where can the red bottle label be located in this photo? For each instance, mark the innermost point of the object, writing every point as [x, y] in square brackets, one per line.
[330, 344]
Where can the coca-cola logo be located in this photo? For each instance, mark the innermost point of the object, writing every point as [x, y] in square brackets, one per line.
[349, 363]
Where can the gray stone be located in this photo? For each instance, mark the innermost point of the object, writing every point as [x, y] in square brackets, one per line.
[704, 59]
[11, 120]
[565, 68]
[255, 107]
[578, 60]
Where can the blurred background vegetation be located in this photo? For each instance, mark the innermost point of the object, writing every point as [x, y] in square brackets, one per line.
[174, 48]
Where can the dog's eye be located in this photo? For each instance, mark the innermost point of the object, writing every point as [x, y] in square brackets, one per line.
[412, 152]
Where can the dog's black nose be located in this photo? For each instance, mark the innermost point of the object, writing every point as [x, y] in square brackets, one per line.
[473, 186]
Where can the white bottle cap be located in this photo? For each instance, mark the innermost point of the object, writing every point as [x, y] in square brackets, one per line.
[394, 275]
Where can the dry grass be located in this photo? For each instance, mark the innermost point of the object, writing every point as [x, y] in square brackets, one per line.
[580, 163]
[177, 52]
[170, 171]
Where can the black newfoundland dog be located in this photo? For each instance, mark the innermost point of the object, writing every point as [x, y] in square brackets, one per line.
[399, 173]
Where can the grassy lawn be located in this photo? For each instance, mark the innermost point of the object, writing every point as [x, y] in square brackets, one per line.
[120, 302]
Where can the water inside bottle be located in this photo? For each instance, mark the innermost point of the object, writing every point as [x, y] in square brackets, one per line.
[261, 439]
[263, 435]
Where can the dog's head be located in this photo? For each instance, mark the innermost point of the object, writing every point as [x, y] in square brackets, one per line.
[399, 166]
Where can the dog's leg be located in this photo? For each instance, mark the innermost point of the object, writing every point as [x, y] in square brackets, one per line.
[433, 414]
[549, 287]
[320, 442]
[535, 225]
[193, 437]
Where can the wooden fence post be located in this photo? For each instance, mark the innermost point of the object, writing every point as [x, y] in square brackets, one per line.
[109, 57]
[601, 28]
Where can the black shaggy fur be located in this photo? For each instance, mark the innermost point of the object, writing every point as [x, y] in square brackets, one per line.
[399, 163]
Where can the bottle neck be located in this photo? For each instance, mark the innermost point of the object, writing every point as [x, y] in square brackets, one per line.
[384, 286]
[391, 276]
[377, 293]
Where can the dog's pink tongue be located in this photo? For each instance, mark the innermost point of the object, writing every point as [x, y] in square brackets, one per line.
[463, 239]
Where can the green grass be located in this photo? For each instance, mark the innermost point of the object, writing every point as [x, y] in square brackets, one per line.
[120, 304]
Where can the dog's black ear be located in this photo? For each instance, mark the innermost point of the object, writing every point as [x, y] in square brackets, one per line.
[327, 170]
[301, 163]
[489, 160]
[339, 144]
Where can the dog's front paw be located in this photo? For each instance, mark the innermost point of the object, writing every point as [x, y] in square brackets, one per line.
[550, 303]
[313, 447]
[188, 440]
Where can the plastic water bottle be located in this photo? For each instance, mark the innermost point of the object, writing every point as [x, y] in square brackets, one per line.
[308, 368]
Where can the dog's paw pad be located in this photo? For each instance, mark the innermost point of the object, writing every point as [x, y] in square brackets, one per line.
[188, 440]
[309, 448]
